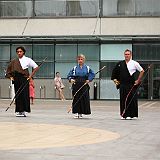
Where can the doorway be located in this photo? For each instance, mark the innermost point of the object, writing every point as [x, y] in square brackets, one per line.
[150, 87]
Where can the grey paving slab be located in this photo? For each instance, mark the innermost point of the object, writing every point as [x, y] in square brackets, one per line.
[49, 133]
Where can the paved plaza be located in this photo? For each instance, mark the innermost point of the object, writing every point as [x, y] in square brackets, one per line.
[50, 133]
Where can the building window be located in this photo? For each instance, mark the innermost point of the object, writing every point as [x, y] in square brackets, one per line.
[146, 52]
[50, 8]
[131, 8]
[4, 52]
[147, 7]
[114, 51]
[91, 51]
[63, 8]
[28, 48]
[41, 51]
[16, 8]
[65, 52]
[46, 70]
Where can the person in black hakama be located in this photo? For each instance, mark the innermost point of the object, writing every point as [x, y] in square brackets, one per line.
[123, 76]
[78, 76]
[18, 72]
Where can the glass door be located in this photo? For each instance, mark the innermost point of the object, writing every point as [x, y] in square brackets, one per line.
[143, 91]
[150, 87]
[156, 81]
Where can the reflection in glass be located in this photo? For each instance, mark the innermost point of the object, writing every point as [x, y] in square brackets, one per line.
[108, 50]
[147, 7]
[66, 7]
[125, 7]
[146, 51]
[143, 88]
[66, 52]
[46, 70]
[16, 8]
[50, 8]
[108, 70]
[91, 51]
[73, 8]
[64, 68]
[131, 8]
[42, 51]
[156, 81]
[107, 87]
[4, 52]
[3, 67]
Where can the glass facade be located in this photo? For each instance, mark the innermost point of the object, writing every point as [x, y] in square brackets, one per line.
[146, 51]
[49, 8]
[5, 52]
[40, 51]
[28, 48]
[78, 8]
[156, 81]
[66, 8]
[110, 55]
[131, 8]
[90, 50]
[107, 51]
[61, 57]
[148, 55]
[22, 8]
[65, 52]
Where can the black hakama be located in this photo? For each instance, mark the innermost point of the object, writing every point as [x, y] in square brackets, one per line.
[128, 104]
[81, 101]
[22, 100]
[128, 100]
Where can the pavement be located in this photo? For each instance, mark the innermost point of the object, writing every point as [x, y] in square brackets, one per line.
[50, 133]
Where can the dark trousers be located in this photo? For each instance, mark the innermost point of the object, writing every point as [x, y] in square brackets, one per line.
[130, 105]
[81, 102]
[22, 100]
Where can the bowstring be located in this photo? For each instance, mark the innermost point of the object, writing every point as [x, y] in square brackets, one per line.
[135, 90]
[84, 91]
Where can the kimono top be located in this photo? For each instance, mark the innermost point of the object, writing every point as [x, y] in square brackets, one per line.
[84, 72]
[125, 72]
[20, 65]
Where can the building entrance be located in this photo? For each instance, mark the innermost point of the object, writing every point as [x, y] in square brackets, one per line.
[150, 87]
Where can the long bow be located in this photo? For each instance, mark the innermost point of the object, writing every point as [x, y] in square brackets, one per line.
[21, 88]
[70, 108]
[130, 91]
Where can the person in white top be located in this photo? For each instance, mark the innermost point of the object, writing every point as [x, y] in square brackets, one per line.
[59, 86]
[123, 76]
[18, 72]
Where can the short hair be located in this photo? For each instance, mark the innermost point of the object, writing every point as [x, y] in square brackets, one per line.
[82, 56]
[22, 48]
[57, 73]
[127, 50]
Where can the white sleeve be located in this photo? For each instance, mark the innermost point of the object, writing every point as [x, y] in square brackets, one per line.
[138, 67]
[32, 63]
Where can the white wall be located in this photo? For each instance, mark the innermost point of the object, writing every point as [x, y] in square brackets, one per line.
[80, 26]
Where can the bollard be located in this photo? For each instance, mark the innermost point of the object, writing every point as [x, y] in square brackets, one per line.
[95, 90]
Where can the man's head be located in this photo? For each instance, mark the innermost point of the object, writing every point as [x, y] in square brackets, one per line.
[127, 54]
[20, 51]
